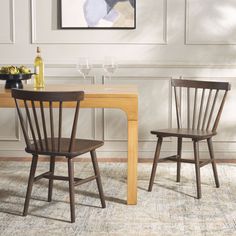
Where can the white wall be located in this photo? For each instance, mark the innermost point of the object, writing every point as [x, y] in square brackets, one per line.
[189, 38]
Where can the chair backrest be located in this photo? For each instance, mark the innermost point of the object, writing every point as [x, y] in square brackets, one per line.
[41, 129]
[199, 104]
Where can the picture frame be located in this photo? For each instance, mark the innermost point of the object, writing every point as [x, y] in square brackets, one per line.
[98, 14]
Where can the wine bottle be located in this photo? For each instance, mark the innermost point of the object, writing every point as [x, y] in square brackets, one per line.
[39, 70]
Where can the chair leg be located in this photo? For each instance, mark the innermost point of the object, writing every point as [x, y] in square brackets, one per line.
[50, 184]
[179, 152]
[155, 161]
[71, 188]
[30, 184]
[210, 147]
[197, 168]
[98, 177]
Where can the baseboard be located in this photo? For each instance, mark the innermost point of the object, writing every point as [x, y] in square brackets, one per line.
[84, 159]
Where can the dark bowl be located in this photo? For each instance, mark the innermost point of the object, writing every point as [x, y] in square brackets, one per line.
[16, 76]
[14, 81]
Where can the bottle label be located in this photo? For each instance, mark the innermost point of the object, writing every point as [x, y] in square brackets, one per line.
[36, 70]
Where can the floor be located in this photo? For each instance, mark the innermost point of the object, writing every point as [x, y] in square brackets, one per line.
[170, 209]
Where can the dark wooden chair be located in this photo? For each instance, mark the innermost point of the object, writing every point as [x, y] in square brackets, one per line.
[199, 105]
[46, 139]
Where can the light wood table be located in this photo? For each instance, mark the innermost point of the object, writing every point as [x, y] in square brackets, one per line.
[124, 97]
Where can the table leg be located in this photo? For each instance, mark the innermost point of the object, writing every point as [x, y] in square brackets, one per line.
[132, 162]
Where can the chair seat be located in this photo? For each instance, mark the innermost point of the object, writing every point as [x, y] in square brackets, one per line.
[184, 133]
[80, 147]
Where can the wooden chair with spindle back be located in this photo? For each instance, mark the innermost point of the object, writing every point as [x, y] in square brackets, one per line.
[47, 140]
[197, 119]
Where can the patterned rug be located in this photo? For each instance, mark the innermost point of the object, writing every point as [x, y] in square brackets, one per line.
[170, 209]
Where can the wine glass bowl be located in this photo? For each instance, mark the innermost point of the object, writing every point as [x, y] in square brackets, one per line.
[83, 66]
[109, 66]
[110, 69]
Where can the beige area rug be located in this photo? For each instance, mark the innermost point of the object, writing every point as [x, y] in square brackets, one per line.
[170, 209]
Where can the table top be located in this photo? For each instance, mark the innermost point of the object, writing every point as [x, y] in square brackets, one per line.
[91, 90]
[124, 97]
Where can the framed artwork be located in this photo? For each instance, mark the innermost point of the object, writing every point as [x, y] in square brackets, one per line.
[98, 14]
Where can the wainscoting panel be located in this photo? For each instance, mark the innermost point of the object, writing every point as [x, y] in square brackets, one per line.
[7, 22]
[150, 108]
[210, 22]
[10, 127]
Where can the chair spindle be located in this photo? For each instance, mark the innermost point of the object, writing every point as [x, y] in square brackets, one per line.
[200, 110]
[31, 125]
[37, 124]
[219, 112]
[194, 108]
[206, 109]
[51, 126]
[44, 125]
[23, 125]
[60, 126]
[74, 127]
[188, 108]
[177, 106]
[212, 109]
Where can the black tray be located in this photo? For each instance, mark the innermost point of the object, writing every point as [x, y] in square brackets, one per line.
[14, 81]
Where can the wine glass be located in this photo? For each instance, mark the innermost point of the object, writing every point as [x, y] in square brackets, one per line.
[83, 66]
[109, 66]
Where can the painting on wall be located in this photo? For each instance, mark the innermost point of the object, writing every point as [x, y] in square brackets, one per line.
[98, 14]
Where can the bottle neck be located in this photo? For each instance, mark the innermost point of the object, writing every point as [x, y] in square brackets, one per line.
[38, 52]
